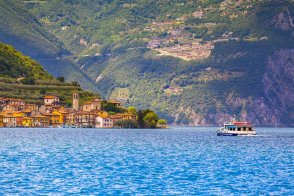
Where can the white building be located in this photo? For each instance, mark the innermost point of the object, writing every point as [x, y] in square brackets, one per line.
[51, 100]
[101, 122]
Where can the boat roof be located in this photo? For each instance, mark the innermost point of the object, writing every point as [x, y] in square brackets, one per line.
[239, 124]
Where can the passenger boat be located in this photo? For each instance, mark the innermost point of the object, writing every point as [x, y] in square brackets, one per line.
[236, 128]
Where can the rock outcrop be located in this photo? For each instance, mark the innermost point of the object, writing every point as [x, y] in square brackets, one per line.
[278, 82]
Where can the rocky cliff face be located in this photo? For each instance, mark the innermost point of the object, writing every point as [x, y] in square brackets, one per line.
[278, 84]
[256, 111]
[283, 21]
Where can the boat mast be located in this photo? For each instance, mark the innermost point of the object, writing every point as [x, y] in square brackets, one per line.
[234, 118]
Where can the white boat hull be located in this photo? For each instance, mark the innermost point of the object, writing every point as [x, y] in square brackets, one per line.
[223, 132]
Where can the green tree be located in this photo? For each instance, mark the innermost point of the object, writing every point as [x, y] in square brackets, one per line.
[75, 83]
[151, 120]
[132, 110]
[28, 81]
[127, 124]
[61, 79]
[162, 122]
[43, 91]
[62, 98]
[140, 116]
[68, 104]
[110, 107]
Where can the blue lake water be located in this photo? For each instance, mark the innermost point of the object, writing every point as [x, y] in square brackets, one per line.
[177, 161]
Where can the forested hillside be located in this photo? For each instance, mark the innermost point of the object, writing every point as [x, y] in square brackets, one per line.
[194, 62]
[22, 77]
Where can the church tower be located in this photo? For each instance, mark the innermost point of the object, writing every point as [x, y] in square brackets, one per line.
[75, 101]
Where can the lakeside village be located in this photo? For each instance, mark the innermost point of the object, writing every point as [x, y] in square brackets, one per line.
[17, 113]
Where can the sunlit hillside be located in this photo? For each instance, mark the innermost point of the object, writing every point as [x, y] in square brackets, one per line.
[195, 62]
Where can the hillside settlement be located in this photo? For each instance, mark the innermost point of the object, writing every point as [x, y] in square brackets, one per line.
[17, 113]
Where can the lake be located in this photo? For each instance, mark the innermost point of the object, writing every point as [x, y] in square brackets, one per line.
[176, 161]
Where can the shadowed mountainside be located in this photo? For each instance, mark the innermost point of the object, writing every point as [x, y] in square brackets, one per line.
[25, 33]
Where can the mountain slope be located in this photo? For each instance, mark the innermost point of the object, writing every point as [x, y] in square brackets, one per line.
[24, 32]
[194, 62]
[20, 29]
[15, 64]
[22, 77]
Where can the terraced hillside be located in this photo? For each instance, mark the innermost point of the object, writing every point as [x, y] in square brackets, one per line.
[22, 77]
[194, 62]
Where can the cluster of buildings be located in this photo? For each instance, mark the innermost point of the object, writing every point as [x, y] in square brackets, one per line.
[17, 113]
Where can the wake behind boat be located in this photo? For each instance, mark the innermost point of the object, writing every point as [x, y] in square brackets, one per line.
[236, 128]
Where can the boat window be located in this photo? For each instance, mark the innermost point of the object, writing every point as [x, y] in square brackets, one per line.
[250, 129]
[239, 129]
[244, 128]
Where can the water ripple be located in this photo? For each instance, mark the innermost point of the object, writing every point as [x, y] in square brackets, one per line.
[179, 161]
